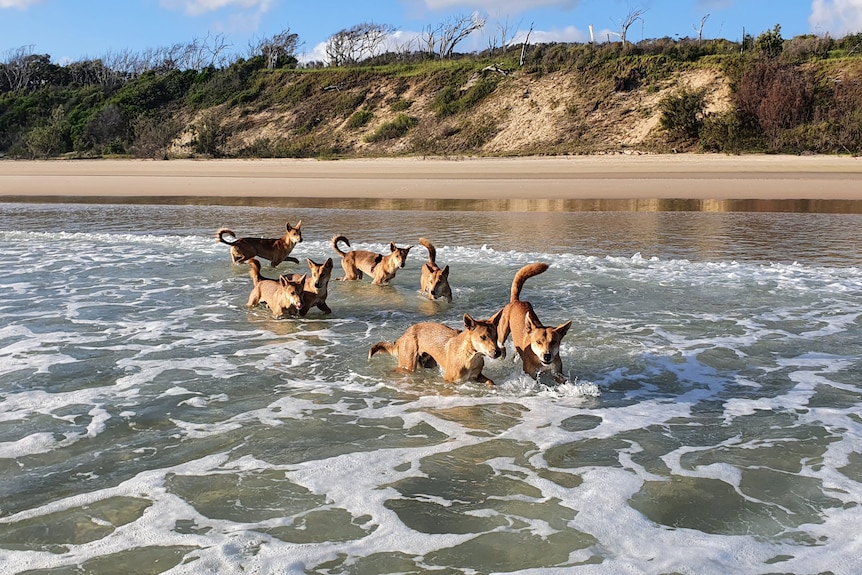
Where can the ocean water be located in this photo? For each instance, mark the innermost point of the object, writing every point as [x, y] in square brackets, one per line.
[151, 423]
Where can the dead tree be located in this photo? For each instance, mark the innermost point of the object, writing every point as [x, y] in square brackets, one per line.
[524, 45]
[354, 44]
[16, 69]
[633, 16]
[699, 29]
[456, 29]
[278, 49]
[507, 34]
[442, 40]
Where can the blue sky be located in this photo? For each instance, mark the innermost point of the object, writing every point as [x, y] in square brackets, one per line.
[80, 29]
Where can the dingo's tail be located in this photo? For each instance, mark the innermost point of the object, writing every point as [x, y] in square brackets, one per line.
[335, 241]
[523, 275]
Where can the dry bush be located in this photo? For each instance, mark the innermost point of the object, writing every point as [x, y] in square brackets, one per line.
[773, 97]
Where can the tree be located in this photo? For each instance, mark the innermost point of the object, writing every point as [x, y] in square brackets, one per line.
[279, 50]
[633, 16]
[507, 35]
[443, 39]
[354, 44]
[699, 29]
[770, 43]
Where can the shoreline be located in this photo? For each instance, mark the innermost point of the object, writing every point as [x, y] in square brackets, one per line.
[532, 183]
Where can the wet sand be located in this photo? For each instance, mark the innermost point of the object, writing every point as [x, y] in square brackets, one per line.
[517, 183]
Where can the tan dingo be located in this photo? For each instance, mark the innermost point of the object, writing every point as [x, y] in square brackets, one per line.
[276, 250]
[316, 286]
[358, 262]
[538, 346]
[280, 295]
[434, 281]
[459, 353]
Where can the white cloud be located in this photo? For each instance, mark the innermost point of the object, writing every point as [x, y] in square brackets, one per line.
[498, 6]
[837, 17]
[198, 7]
[567, 34]
[19, 4]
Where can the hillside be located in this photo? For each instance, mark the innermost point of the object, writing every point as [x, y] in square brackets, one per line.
[378, 114]
[791, 96]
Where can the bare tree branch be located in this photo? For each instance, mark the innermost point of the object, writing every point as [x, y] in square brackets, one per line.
[354, 44]
[699, 29]
[633, 16]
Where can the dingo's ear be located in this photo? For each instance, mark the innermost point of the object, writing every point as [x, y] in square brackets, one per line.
[446, 272]
[328, 263]
[528, 323]
[562, 329]
[298, 224]
[311, 262]
[392, 247]
[495, 319]
[469, 322]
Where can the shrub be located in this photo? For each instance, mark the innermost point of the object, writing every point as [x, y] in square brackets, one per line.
[359, 119]
[451, 100]
[774, 97]
[399, 126]
[770, 43]
[50, 138]
[209, 136]
[153, 136]
[400, 105]
[723, 132]
[682, 113]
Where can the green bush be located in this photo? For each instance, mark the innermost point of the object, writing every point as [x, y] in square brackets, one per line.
[770, 43]
[209, 135]
[452, 100]
[400, 105]
[394, 129]
[50, 138]
[682, 113]
[723, 133]
[359, 119]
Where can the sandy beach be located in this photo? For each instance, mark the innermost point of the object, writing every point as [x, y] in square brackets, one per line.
[578, 178]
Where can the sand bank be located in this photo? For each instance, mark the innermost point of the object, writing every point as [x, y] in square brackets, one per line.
[623, 178]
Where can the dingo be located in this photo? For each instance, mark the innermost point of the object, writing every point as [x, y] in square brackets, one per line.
[358, 262]
[316, 286]
[538, 346]
[459, 353]
[280, 295]
[276, 250]
[434, 281]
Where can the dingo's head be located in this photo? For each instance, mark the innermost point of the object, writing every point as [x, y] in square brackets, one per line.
[290, 292]
[437, 282]
[483, 335]
[320, 273]
[398, 255]
[292, 235]
[545, 341]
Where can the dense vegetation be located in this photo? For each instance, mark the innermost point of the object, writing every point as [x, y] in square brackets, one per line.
[802, 95]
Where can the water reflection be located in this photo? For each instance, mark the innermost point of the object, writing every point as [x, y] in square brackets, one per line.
[809, 206]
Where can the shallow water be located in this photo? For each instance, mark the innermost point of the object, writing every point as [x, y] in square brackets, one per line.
[150, 423]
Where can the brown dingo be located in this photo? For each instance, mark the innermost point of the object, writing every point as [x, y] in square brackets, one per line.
[459, 353]
[538, 346]
[358, 262]
[276, 250]
[280, 295]
[316, 286]
[434, 281]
